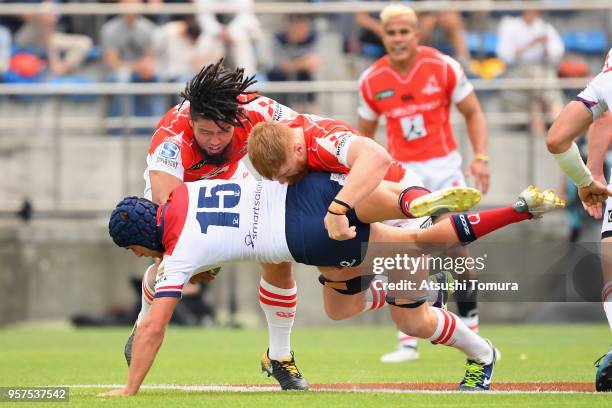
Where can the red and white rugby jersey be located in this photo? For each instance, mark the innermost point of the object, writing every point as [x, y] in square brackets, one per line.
[173, 149]
[212, 222]
[416, 105]
[328, 142]
[597, 96]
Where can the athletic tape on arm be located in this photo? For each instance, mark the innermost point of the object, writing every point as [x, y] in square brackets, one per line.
[572, 165]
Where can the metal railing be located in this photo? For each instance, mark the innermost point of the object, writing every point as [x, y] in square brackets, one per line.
[286, 7]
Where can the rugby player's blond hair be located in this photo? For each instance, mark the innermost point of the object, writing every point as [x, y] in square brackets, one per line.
[398, 9]
[269, 145]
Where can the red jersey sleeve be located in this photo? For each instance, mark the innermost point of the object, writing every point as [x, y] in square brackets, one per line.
[167, 151]
[367, 106]
[458, 86]
[331, 151]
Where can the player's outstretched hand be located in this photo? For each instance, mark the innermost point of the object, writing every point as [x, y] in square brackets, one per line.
[479, 169]
[595, 193]
[120, 392]
[338, 228]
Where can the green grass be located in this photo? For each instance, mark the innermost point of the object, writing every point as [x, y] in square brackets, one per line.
[543, 353]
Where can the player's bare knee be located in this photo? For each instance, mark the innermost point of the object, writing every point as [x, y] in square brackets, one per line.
[341, 307]
[414, 327]
[151, 328]
[279, 275]
[337, 313]
[555, 142]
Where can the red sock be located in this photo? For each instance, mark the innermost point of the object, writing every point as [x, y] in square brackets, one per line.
[470, 226]
[409, 194]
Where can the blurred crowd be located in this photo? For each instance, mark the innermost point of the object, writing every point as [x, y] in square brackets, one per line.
[150, 48]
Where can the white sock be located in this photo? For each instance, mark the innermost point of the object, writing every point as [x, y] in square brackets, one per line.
[279, 305]
[406, 341]
[606, 299]
[375, 294]
[471, 322]
[451, 331]
[148, 294]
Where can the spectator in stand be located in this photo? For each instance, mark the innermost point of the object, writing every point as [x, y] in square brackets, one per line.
[14, 22]
[5, 50]
[238, 33]
[531, 48]
[64, 53]
[127, 46]
[449, 21]
[181, 49]
[295, 59]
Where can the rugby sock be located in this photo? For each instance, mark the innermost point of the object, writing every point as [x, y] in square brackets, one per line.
[409, 194]
[148, 293]
[606, 299]
[470, 226]
[406, 341]
[375, 294]
[451, 331]
[279, 305]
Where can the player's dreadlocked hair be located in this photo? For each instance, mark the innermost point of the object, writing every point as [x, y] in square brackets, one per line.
[213, 94]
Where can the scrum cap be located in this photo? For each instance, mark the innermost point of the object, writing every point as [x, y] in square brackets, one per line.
[133, 222]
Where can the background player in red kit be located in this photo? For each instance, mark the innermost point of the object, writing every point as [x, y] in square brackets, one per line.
[414, 88]
[204, 138]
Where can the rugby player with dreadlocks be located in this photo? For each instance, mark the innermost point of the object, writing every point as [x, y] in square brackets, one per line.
[204, 137]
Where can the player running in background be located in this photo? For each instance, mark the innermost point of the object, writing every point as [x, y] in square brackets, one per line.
[215, 216]
[576, 117]
[414, 88]
[204, 138]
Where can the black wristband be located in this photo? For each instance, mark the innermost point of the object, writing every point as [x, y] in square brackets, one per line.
[335, 200]
[335, 213]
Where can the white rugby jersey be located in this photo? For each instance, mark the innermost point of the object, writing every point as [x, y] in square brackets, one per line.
[211, 222]
[597, 96]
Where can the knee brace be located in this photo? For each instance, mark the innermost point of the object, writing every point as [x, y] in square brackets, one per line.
[406, 304]
[348, 287]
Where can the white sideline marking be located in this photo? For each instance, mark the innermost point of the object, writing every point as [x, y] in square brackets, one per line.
[258, 388]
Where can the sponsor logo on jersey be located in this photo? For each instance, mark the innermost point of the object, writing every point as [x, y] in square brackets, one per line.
[167, 162]
[387, 93]
[251, 236]
[407, 97]
[432, 86]
[278, 112]
[411, 109]
[609, 215]
[198, 165]
[169, 150]
[214, 173]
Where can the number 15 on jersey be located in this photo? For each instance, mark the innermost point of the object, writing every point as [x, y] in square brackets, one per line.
[224, 197]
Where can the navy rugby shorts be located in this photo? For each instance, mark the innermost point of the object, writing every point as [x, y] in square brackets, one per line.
[306, 206]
